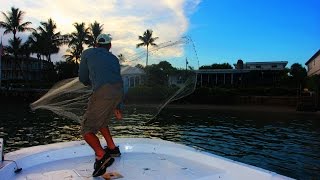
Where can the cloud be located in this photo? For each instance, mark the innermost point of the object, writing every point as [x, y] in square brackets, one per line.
[124, 19]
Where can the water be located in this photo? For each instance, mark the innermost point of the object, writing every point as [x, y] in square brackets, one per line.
[286, 143]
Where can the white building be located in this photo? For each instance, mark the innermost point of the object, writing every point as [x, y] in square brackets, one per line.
[271, 65]
[313, 64]
[265, 73]
[132, 76]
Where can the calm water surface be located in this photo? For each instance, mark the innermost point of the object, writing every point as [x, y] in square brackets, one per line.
[288, 144]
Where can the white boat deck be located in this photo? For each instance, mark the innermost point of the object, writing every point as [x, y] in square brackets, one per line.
[141, 159]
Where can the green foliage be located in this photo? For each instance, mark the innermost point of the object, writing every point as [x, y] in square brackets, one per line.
[159, 73]
[155, 75]
[166, 67]
[77, 39]
[217, 66]
[298, 72]
[95, 29]
[49, 40]
[13, 22]
[66, 70]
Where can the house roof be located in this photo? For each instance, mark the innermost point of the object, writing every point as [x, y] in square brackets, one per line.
[219, 71]
[313, 57]
[263, 63]
[267, 62]
[129, 70]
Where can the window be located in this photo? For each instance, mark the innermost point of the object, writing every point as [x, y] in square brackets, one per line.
[274, 66]
[259, 67]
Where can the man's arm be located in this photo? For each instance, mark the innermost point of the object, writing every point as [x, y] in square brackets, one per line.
[84, 72]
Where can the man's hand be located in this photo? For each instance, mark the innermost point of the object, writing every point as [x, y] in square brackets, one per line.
[118, 114]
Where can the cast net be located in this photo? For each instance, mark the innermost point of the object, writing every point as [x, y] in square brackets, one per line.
[169, 76]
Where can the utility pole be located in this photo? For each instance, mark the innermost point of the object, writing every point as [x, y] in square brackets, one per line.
[186, 67]
[187, 64]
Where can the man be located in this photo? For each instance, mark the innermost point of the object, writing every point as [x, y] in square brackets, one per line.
[100, 69]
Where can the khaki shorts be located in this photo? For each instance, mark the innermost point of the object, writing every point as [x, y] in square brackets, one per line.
[100, 107]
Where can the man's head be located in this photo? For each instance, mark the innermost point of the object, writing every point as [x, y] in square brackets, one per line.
[104, 40]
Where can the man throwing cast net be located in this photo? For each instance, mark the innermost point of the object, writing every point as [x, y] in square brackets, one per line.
[100, 69]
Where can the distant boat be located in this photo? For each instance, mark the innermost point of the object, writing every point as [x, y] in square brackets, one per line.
[141, 159]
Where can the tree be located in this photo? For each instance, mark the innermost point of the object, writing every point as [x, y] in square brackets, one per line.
[166, 67]
[72, 56]
[298, 72]
[15, 49]
[155, 75]
[77, 39]
[38, 44]
[26, 52]
[147, 40]
[95, 30]
[13, 22]
[217, 66]
[51, 40]
[284, 79]
[66, 69]
[158, 74]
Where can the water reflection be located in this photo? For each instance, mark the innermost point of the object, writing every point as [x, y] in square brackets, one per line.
[288, 144]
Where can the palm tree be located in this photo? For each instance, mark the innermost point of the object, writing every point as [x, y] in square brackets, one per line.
[52, 40]
[77, 39]
[25, 53]
[147, 40]
[15, 48]
[38, 44]
[95, 30]
[13, 22]
[72, 56]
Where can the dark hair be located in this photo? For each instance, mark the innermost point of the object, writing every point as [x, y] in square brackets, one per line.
[107, 46]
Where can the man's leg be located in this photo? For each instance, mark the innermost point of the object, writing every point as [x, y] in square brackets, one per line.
[103, 159]
[107, 136]
[94, 142]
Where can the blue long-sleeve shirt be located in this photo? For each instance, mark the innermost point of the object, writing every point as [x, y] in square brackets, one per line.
[99, 67]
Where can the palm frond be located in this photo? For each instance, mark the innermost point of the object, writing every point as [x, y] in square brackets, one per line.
[140, 44]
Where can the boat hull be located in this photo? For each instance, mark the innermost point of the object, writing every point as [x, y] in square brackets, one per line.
[141, 159]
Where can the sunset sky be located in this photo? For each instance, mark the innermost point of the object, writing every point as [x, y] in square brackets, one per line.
[222, 30]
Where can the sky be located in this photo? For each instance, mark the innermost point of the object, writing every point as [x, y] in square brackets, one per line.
[220, 30]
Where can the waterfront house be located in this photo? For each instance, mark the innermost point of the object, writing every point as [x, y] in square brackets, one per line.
[313, 64]
[250, 73]
[32, 68]
[132, 76]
